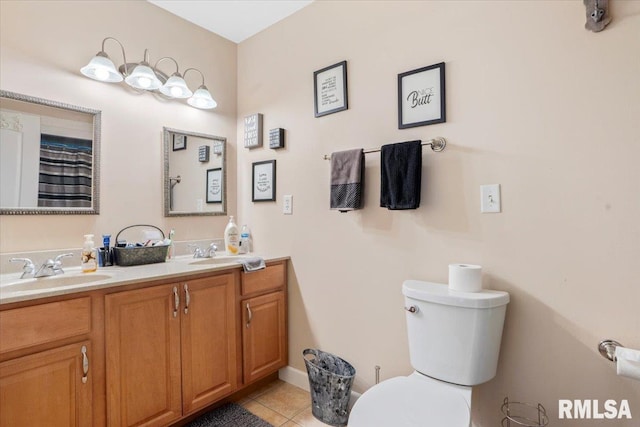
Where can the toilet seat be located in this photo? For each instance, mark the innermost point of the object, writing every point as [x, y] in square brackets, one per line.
[410, 402]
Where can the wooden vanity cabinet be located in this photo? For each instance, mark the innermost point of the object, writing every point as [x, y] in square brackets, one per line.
[171, 349]
[47, 370]
[149, 355]
[264, 327]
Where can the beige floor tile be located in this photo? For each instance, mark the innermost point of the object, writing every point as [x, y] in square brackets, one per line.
[306, 419]
[242, 401]
[269, 415]
[290, 424]
[265, 388]
[285, 399]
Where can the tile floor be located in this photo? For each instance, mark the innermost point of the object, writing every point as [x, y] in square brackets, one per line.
[282, 405]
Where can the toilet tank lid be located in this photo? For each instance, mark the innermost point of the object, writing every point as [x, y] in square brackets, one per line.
[441, 294]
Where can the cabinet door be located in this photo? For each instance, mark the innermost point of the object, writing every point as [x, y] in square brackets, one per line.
[142, 333]
[208, 341]
[47, 389]
[264, 336]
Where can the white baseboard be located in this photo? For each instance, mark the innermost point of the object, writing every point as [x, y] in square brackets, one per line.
[300, 379]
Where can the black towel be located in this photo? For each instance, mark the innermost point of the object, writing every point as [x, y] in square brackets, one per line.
[401, 175]
[347, 180]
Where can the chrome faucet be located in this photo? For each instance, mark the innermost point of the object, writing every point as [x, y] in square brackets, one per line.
[52, 267]
[210, 252]
[28, 269]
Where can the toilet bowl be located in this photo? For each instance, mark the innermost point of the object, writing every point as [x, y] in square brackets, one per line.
[454, 341]
[416, 400]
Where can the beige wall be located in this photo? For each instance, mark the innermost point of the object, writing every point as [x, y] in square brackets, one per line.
[44, 45]
[535, 103]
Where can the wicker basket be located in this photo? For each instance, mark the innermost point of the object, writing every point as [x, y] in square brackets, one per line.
[140, 255]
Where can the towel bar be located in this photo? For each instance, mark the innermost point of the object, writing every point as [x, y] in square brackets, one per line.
[437, 144]
[607, 349]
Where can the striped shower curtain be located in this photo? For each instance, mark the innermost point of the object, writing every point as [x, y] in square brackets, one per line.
[65, 172]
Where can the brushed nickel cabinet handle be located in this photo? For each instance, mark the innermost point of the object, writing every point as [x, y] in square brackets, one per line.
[249, 314]
[176, 301]
[187, 298]
[85, 364]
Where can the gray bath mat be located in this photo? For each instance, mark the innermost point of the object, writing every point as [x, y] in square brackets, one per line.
[229, 415]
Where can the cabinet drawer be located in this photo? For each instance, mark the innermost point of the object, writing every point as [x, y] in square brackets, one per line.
[272, 277]
[43, 323]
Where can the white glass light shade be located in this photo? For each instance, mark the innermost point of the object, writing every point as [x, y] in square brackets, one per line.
[101, 68]
[176, 87]
[143, 77]
[202, 99]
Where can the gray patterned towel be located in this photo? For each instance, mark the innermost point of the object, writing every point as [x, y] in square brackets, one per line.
[347, 180]
[253, 264]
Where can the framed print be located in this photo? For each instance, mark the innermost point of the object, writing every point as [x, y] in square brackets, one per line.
[214, 185]
[263, 178]
[330, 89]
[253, 131]
[421, 97]
[179, 142]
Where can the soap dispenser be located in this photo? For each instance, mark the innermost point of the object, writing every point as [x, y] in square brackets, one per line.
[231, 237]
[89, 262]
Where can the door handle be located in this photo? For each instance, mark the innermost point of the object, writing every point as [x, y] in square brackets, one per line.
[85, 364]
[176, 301]
[187, 298]
[249, 315]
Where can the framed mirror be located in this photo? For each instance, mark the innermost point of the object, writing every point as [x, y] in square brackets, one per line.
[195, 178]
[49, 157]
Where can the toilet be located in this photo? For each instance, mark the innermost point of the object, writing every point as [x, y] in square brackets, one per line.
[454, 342]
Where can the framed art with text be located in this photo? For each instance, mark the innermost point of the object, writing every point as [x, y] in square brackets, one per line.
[263, 178]
[330, 89]
[179, 142]
[421, 97]
[214, 185]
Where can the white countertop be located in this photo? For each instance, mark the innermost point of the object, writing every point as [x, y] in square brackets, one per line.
[13, 289]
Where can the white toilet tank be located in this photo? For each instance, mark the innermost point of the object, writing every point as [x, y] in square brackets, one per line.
[454, 336]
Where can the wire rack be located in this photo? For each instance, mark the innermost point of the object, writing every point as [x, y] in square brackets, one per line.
[523, 414]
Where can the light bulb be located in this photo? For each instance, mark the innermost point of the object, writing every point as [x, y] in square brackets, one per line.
[102, 74]
[144, 82]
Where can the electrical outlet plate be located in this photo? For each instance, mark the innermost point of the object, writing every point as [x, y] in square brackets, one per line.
[490, 198]
[287, 204]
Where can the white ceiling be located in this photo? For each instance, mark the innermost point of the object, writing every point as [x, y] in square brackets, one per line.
[235, 20]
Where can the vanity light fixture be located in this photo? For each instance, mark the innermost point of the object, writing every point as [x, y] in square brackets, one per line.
[143, 76]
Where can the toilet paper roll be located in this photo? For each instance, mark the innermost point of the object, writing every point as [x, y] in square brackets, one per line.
[628, 362]
[465, 277]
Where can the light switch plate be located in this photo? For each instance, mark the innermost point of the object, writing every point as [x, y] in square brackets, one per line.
[287, 204]
[490, 198]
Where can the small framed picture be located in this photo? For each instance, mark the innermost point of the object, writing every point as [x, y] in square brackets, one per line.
[253, 131]
[276, 138]
[179, 142]
[330, 89]
[214, 185]
[264, 181]
[421, 97]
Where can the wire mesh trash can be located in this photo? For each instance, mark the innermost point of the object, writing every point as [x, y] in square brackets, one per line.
[330, 380]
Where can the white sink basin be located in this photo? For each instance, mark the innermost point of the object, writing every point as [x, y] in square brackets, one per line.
[218, 260]
[53, 282]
